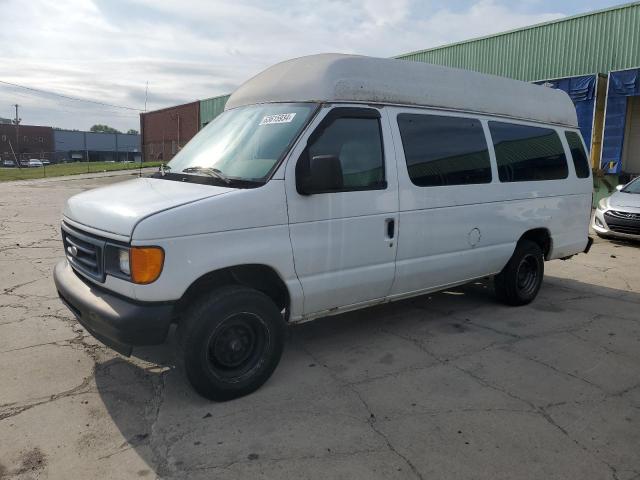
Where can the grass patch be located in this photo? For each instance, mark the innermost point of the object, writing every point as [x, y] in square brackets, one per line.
[64, 169]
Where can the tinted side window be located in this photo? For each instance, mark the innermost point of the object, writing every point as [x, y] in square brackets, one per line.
[580, 160]
[357, 142]
[526, 153]
[444, 150]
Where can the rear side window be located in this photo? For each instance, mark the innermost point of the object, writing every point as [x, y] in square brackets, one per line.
[525, 153]
[580, 160]
[358, 144]
[443, 150]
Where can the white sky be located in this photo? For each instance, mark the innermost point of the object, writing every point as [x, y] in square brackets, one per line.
[107, 50]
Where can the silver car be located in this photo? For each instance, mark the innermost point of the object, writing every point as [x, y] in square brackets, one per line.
[619, 214]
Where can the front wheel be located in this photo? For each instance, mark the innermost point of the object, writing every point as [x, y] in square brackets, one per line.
[231, 342]
[519, 281]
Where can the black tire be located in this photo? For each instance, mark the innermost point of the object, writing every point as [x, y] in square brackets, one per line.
[519, 281]
[231, 341]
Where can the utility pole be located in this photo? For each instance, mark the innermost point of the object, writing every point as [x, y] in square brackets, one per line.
[146, 94]
[17, 124]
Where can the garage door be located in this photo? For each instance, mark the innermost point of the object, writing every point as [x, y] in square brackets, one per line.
[631, 148]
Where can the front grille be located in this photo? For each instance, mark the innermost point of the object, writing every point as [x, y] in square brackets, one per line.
[623, 222]
[84, 252]
[623, 215]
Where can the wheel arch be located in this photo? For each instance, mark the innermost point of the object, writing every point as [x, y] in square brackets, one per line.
[540, 236]
[263, 278]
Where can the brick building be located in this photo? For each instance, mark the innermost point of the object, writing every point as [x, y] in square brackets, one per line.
[31, 141]
[164, 132]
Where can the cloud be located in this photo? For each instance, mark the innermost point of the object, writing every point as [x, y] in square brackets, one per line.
[109, 49]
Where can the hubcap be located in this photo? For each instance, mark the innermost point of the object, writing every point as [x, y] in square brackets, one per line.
[237, 345]
[527, 275]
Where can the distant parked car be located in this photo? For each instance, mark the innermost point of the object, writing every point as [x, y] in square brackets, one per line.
[619, 215]
[46, 162]
[34, 162]
[8, 163]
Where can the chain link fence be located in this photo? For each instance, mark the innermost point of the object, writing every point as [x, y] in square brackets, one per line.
[9, 170]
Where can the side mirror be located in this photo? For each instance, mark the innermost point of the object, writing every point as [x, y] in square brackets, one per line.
[318, 174]
[619, 187]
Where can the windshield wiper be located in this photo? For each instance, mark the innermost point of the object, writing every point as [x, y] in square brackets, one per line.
[212, 172]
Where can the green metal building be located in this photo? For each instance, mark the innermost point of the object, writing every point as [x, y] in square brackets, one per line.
[595, 42]
[211, 108]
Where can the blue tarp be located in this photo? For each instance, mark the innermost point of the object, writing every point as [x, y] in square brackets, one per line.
[582, 91]
[623, 84]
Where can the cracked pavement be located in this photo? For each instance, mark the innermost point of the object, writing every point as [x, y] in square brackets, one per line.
[451, 385]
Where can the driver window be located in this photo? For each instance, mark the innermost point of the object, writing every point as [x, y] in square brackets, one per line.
[357, 143]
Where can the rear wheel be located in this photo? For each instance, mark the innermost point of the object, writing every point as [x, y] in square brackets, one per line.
[519, 281]
[231, 342]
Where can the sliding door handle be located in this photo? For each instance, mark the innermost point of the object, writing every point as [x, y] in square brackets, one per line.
[391, 228]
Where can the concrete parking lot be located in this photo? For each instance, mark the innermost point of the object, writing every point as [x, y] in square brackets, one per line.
[446, 386]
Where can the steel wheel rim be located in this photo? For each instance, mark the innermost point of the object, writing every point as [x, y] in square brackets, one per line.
[527, 275]
[236, 347]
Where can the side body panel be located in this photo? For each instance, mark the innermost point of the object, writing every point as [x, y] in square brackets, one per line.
[450, 234]
[240, 228]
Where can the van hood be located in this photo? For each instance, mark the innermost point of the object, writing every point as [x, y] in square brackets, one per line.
[118, 208]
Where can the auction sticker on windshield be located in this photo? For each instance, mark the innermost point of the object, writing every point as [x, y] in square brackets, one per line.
[279, 118]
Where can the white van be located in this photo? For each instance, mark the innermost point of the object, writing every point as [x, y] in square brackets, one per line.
[330, 183]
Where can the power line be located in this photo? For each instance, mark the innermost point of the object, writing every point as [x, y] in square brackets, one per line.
[68, 97]
[84, 109]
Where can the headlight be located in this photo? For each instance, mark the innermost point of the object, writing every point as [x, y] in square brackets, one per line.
[140, 265]
[602, 204]
[123, 261]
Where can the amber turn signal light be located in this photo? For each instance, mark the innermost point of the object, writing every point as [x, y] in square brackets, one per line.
[146, 264]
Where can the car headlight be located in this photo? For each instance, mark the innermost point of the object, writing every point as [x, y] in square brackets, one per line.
[140, 265]
[123, 261]
[602, 204]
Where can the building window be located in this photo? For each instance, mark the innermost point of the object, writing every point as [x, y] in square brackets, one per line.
[525, 153]
[442, 150]
[41, 140]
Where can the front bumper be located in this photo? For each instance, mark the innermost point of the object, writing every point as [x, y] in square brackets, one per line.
[117, 322]
[601, 227]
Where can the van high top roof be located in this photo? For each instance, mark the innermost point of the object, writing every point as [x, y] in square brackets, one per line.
[332, 77]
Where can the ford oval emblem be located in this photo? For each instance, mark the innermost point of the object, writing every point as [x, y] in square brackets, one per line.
[73, 250]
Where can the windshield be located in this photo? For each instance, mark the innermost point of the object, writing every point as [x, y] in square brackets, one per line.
[633, 187]
[244, 144]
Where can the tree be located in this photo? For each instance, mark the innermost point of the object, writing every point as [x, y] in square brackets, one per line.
[98, 128]
[132, 131]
